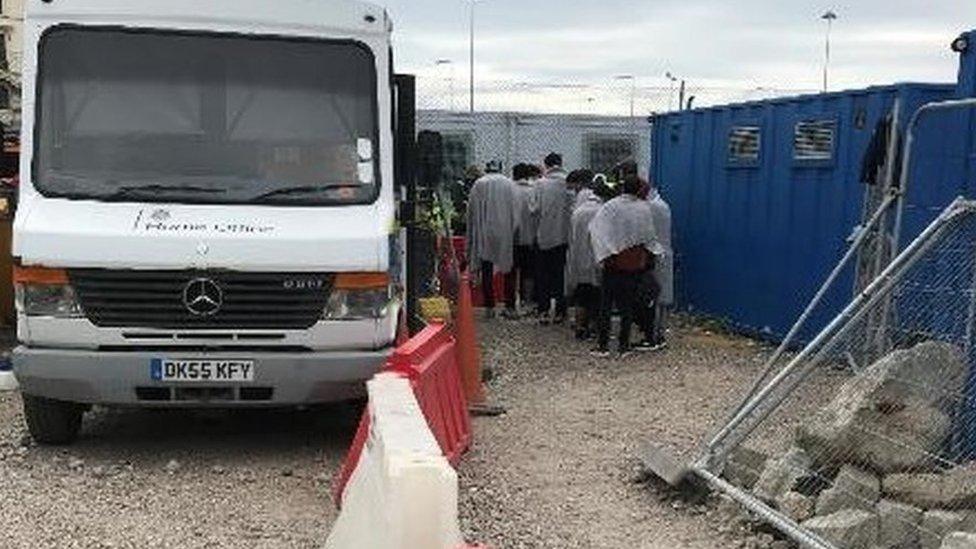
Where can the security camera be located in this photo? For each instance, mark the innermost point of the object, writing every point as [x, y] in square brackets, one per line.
[960, 45]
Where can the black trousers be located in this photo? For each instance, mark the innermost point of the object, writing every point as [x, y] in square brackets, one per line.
[522, 277]
[587, 298]
[620, 291]
[648, 292]
[551, 278]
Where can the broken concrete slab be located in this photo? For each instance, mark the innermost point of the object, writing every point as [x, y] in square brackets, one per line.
[850, 529]
[853, 488]
[781, 475]
[936, 525]
[954, 490]
[744, 466]
[899, 525]
[796, 506]
[959, 540]
[894, 416]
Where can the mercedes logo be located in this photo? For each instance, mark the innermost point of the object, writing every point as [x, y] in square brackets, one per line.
[203, 297]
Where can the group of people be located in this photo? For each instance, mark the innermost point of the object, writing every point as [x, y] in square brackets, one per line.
[602, 244]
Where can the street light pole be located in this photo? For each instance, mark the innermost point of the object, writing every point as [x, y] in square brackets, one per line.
[829, 17]
[471, 59]
[673, 79]
[449, 63]
[633, 92]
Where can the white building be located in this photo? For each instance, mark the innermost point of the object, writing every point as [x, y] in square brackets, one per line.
[585, 141]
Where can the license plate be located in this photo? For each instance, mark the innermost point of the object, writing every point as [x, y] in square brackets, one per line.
[194, 370]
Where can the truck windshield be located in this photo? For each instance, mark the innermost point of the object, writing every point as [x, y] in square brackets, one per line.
[158, 116]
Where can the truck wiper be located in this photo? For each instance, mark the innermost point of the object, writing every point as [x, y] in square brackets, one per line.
[288, 191]
[123, 192]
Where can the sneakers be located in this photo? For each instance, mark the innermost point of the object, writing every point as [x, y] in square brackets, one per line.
[600, 352]
[510, 314]
[650, 346]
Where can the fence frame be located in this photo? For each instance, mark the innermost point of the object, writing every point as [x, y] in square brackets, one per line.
[767, 395]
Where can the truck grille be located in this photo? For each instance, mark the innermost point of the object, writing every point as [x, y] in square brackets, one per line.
[155, 299]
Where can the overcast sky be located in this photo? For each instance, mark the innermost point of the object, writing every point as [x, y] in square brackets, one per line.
[717, 44]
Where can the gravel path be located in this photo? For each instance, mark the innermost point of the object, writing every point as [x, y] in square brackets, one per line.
[558, 471]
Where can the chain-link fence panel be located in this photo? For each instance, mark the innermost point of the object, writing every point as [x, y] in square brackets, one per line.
[866, 438]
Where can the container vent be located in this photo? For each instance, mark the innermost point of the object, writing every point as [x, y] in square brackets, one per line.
[814, 140]
[744, 144]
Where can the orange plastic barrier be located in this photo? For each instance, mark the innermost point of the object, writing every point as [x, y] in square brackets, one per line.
[469, 354]
[429, 361]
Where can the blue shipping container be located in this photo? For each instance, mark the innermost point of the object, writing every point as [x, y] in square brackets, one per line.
[766, 194]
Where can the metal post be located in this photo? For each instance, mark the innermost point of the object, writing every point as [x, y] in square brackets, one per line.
[884, 251]
[829, 17]
[471, 59]
[777, 519]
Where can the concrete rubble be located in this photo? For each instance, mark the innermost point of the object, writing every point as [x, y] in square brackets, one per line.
[865, 472]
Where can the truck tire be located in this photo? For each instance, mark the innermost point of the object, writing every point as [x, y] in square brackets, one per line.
[52, 422]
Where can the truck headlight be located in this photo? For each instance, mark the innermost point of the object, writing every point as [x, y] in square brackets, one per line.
[45, 292]
[359, 296]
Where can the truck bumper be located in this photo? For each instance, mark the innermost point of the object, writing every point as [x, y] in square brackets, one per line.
[123, 378]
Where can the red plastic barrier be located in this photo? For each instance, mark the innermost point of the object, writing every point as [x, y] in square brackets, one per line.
[352, 460]
[429, 361]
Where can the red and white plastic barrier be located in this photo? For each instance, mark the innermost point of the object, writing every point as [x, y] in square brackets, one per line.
[397, 487]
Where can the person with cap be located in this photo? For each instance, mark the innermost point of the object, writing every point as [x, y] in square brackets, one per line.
[582, 272]
[625, 245]
[521, 281]
[491, 231]
[553, 203]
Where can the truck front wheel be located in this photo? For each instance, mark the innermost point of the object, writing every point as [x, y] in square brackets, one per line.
[52, 421]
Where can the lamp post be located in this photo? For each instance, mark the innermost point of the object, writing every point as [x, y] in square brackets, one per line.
[450, 64]
[471, 55]
[633, 91]
[829, 17]
[672, 79]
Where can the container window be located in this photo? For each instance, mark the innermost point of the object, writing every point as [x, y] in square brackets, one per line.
[605, 152]
[813, 141]
[744, 144]
[458, 154]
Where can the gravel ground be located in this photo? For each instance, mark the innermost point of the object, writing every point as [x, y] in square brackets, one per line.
[173, 479]
[559, 470]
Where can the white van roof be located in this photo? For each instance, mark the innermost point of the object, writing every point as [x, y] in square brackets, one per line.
[345, 16]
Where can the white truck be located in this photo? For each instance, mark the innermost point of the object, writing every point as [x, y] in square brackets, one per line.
[208, 211]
